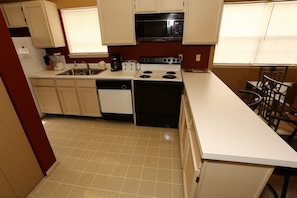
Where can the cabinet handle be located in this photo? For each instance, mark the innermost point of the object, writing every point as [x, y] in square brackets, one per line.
[197, 179]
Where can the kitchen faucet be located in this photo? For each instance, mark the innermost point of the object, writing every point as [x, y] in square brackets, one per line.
[88, 66]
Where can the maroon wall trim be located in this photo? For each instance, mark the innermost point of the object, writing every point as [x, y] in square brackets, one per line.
[15, 82]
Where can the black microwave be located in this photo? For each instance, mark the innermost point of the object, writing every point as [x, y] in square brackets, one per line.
[159, 27]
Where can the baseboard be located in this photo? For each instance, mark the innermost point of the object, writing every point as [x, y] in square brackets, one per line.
[52, 168]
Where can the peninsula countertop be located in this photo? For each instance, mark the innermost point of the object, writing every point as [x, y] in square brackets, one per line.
[228, 130]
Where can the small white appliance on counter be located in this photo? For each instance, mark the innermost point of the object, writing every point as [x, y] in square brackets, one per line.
[130, 66]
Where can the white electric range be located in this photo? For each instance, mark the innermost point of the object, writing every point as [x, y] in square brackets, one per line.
[159, 69]
[157, 92]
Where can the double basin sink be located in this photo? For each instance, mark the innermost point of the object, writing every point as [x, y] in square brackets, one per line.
[81, 72]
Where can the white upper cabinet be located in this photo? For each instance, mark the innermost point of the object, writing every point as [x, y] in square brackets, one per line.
[14, 15]
[117, 22]
[44, 23]
[3, 13]
[153, 6]
[202, 21]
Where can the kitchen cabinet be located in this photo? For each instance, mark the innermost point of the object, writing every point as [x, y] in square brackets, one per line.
[202, 21]
[14, 15]
[215, 178]
[44, 23]
[68, 97]
[19, 168]
[6, 190]
[88, 98]
[117, 22]
[190, 155]
[47, 96]
[153, 6]
[3, 13]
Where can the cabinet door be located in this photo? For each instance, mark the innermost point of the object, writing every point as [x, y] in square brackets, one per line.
[14, 15]
[48, 100]
[142, 6]
[3, 13]
[171, 5]
[69, 100]
[202, 21]
[44, 24]
[153, 6]
[117, 22]
[191, 169]
[6, 190]
[17, 160]
[88, 100]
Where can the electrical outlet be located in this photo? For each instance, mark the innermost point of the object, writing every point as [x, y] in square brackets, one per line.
[181, 56]
[198, 57]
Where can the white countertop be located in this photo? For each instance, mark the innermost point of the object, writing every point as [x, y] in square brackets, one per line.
[228, 129]
[107, 74]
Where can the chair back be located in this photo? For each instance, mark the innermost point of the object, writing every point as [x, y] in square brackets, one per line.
[274, 95]
[275, 72]
[292, 97]
[252, 99]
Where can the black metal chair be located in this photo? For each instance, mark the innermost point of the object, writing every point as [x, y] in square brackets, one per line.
[252, 99]
[273, 110]
[273, 106]
[275, 72]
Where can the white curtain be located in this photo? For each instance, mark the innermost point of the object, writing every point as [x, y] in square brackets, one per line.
[258, 33]
[82, 30]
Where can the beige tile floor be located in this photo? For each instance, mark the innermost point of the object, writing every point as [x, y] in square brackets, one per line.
[99, 158]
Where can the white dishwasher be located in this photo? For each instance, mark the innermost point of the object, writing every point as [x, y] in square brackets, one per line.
[115, 98]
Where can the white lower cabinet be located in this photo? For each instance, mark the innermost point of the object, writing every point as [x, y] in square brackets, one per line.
[204, 178]
[67, 96]
[88, 98]
[47, 96]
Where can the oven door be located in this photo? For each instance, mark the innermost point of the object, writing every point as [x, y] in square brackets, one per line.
[157, 103]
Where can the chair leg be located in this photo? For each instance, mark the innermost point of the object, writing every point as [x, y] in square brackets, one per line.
[272, 190]
[285, 186]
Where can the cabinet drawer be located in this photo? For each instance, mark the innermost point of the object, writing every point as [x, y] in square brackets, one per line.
[38, 82]
[85, 83]
[195, 147]
[65, 82]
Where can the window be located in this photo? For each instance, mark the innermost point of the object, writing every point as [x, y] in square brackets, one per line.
[82, 30]
[258, 33]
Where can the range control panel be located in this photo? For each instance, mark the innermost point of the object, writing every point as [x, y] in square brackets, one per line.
[160, 60]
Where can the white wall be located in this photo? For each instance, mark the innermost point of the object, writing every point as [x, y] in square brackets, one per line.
[31, 60]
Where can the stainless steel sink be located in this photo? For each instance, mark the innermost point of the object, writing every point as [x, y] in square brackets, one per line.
[80, 72]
